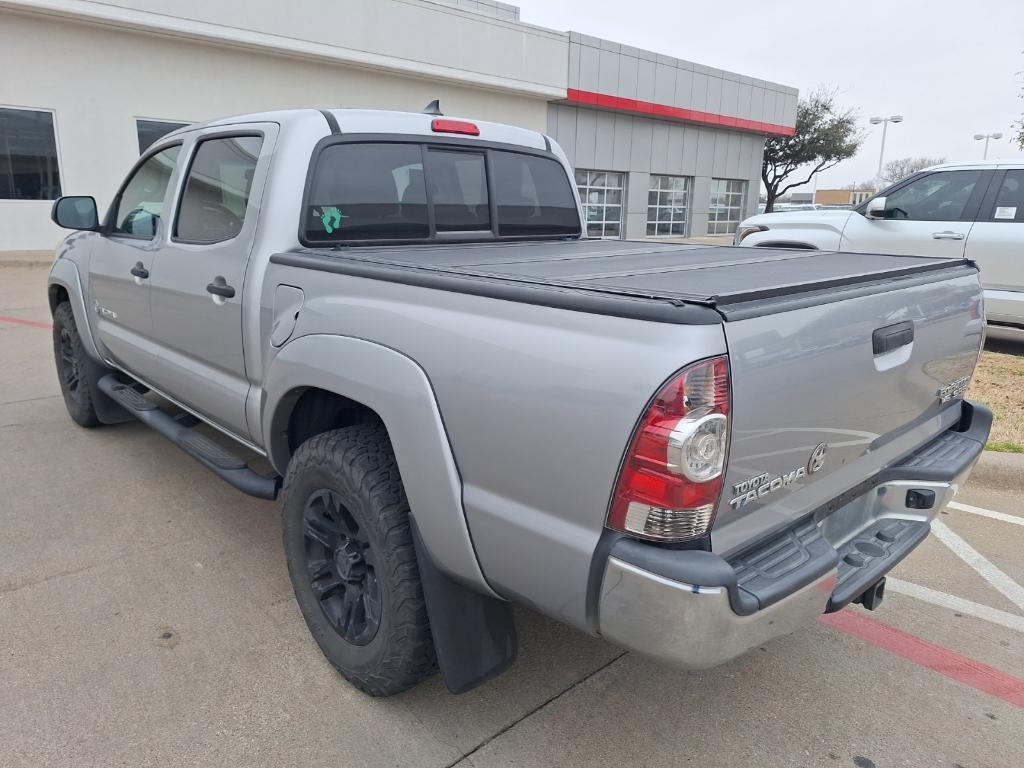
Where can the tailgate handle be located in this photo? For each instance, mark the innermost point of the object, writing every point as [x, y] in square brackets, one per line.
[892, 337]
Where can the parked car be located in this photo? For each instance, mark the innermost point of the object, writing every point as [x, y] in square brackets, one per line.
[974, 210]
[466, 404]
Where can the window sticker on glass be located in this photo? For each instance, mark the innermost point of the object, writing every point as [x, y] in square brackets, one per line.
[1005, 212]
[330, 217]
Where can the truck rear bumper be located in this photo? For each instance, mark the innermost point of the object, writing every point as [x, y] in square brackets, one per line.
[693, 609]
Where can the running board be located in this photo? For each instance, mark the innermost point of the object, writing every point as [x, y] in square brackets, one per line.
[226, 465]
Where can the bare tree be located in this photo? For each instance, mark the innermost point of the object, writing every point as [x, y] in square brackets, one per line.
[825, 136]
[896, 170]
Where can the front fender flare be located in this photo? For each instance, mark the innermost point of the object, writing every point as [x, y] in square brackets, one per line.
[398, 390]
[64, 273]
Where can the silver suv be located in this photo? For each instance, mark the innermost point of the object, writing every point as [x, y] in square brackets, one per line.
[972, 210]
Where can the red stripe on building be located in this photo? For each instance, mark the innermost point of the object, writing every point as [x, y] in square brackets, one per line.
[979, 676]
[619, 104]
[29, 323]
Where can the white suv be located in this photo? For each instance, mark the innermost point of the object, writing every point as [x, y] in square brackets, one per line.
[957, 209]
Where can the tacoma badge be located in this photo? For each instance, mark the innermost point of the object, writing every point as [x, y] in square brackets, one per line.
[760, 486]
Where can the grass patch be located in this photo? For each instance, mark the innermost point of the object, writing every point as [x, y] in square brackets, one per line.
[1004, 447]
[999, 383]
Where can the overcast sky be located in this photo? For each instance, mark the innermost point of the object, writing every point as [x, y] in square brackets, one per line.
[949, 67]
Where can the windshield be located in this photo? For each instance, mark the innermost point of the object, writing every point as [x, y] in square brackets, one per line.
[389, 191]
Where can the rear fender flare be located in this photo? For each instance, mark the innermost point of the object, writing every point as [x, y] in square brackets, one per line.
[398, 390]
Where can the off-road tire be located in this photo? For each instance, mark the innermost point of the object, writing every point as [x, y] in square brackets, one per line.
[356, 465]
[74, 368]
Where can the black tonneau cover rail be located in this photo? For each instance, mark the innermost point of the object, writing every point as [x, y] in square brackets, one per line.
[662, 282]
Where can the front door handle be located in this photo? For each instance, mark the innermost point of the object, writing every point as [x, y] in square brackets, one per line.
[139, 272]
[948, 235]
[220, 289]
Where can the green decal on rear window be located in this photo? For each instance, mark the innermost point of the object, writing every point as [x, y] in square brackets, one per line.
[331, 218]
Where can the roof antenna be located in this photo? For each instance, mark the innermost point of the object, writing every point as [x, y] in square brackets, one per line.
[433, 108]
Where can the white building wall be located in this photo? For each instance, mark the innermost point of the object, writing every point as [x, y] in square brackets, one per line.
[98, 77]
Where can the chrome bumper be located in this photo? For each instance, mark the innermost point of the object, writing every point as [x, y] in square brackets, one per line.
[693, 609]
[691, 626]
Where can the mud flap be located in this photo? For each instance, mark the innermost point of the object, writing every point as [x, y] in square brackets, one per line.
[474, 635]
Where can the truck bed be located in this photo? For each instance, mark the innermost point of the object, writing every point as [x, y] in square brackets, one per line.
[664, 282]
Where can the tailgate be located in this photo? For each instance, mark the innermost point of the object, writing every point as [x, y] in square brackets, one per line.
[827, 394]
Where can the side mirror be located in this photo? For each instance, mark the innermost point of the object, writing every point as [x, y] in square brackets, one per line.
[75, 213]
[876, 209]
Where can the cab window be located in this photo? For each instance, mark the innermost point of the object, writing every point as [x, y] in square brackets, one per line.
[941, 196]
[217, 190]
[1009, 202]
[140, 204]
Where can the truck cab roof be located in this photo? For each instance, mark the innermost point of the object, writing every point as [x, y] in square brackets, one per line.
[379, 121]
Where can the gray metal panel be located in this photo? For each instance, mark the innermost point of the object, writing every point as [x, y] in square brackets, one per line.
[743, 101]
[608, 78]
[604, 156]
[705, 152]
[628, 73]
[676, 138]
[608, 45]
[659, 147]
[640, 152]
[623, 146]
[664, 84]
[691, 135]
[574, 65]
[789, 112]
[684, 88]
[638, 184]
[698, 224]
[734, 145]
[714, 103]
[552, 128]
[719, 165]
[566, 137]
[700, 201]
[586, 138]
[747, 146]
[730, 98]
[756, 111]
[699, 94]
[645, 80]
[590, 67]
[774, 107]
[636, 225]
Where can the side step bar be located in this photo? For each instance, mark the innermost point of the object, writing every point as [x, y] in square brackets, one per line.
[228, 467]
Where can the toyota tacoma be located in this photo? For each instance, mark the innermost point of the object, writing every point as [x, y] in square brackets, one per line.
[394, 324]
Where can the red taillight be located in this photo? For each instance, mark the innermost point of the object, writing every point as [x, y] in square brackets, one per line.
[671, 478]
[454, 126]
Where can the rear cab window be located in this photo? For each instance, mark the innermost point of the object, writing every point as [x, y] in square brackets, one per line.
[1008, 204]
[374, 192]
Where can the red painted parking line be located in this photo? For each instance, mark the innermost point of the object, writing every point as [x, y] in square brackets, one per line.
[979, 676]
[29, 323]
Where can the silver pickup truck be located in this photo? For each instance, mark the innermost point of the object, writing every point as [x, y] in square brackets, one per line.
[395, 322]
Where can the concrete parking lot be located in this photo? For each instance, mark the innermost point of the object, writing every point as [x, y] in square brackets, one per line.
[146, 619]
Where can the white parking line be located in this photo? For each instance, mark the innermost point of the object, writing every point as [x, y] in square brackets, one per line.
[990, 573]
[958, 604]
[987, 513]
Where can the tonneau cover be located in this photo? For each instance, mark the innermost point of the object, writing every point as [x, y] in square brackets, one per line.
[712, 276]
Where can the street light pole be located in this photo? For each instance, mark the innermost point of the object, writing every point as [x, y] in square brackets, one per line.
[986, 137]
[885, 124]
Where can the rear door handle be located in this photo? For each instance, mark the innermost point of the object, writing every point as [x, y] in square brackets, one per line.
[892, 337]
[139, 271]
[947, 235]
[219, 288]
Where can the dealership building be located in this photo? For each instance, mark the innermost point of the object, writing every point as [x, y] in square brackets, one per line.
[662, 147]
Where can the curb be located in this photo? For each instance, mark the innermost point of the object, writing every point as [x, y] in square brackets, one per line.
[1000, 470]
[27, 258]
